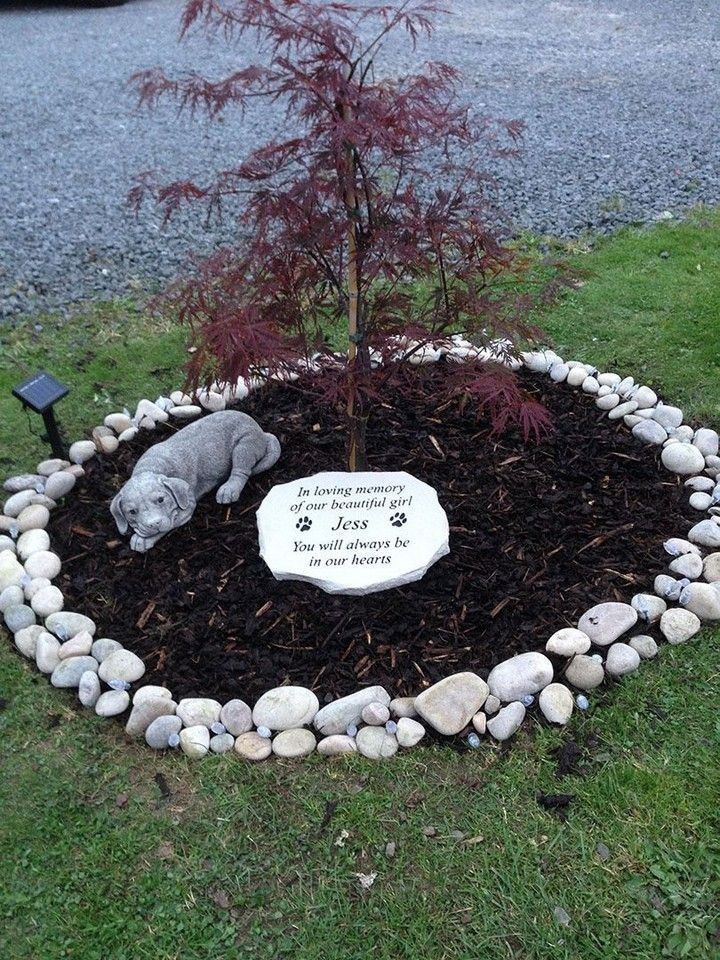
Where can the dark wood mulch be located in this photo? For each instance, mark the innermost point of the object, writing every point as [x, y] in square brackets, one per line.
[538, 534]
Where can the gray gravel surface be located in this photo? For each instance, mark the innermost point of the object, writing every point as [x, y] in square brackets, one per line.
[621, 99]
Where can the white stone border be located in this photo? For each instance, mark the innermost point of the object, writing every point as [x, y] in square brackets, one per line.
[368, 721]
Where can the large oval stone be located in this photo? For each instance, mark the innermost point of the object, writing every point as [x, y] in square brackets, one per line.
[520, 676]
[556, 703]
[294, 743]
[122, 665]
[285, 707]
[336, 717]
[449, 705]
[605, 622]
[198, 711]
[67, 624]
[376, 743]
[68, 672]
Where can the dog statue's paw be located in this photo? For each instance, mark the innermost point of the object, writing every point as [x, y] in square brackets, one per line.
[230, 491]
[142, 544]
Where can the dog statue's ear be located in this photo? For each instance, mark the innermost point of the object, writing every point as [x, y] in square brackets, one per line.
[117, 511]
[180, 491]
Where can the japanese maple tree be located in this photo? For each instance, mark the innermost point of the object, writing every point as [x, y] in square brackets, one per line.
[373, 214]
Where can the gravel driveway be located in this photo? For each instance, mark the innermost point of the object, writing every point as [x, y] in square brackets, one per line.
[621, 99]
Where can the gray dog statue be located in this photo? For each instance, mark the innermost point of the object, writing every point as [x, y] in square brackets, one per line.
[171, 476]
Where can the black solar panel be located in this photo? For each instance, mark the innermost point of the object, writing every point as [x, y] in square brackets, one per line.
[40, 391]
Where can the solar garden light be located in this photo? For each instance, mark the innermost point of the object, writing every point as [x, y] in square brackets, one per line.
[38, 393]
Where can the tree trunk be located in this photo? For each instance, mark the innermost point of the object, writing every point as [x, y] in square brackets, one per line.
[358, 355]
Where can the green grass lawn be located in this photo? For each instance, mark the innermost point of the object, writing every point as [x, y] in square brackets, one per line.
[109, 851]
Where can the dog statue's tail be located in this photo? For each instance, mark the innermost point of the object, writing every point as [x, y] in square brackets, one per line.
[272, 454]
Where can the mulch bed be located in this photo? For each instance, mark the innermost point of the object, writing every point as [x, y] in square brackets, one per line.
[538, 534]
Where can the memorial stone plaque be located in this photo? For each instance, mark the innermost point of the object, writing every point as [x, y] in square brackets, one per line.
[352, 533]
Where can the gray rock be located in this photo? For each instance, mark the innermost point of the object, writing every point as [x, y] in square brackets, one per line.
[707, 442]
[375, 714]
[706, 533]
[284, 708]
[43, 563]
[556, 703]
[649, 431]
[291, 744]
[46, 600]
[668, 416]
[150, 692]
[34, 517]
[608, 401]
[700, 501]
[336, 717]
[702, 599]
[47, 653]
[82, 450]
[668, 587]
[67, 624]
[32, 541]
[645, 646]
[59, 484]
[11, 597]
[68, 672]
[89, 686]
[506, 721]
[567, 642]
[683, 459]
[77, 646]
[376, 743]
[577, 376]
[479, 722]
[491, 705]
[403, 707]
[112, 703]
[409, 732]
[24, 481]
[678, 625]
[590, 385]
[48, 467]
[621, 659]
[622, 410]
[584, 673]
[198, 711]
[102, 648]
[15, 504]
[195, 741]
[609, 379]
[236, 716]
[688, 565]
[25, 640]
[143, 714]
[7, 543]
[605, 622]
[700, 484]
[122, 665]
[158, 732]
[336, 745]
[251, 746]
[711, 567]
[18, 617]
[676, 546]
[644, 397]
[520, 676]
[222, 743]
[449, 705]
[35, 586]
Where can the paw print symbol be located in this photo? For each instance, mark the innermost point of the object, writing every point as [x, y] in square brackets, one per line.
[303, 524]
[398, 519]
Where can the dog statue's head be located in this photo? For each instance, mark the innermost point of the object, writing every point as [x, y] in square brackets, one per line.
[153, 504]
